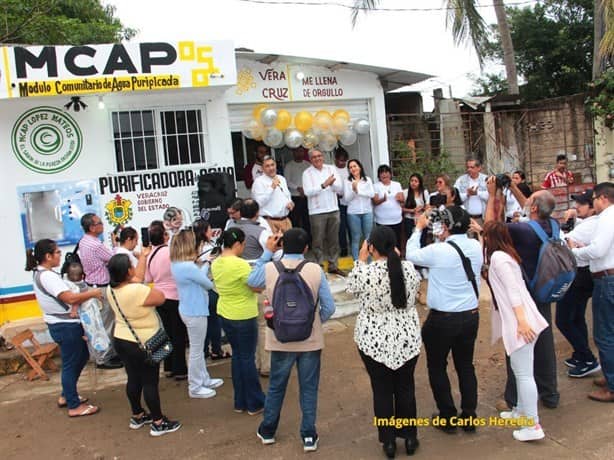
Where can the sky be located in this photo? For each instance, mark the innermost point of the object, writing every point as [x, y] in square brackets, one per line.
[409, 40]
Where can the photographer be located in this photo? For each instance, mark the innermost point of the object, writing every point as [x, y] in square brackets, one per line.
[452, 323]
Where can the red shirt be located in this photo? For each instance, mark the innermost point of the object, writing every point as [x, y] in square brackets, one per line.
[555, 179]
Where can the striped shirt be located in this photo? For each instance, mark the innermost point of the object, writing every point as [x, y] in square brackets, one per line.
[94, 257]
[555, 179]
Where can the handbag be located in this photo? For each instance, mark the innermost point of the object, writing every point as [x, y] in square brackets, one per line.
[157, 348]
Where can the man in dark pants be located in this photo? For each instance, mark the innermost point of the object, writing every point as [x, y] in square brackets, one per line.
[571, 309]
[538, 207]
[341, 159]
[453, 320]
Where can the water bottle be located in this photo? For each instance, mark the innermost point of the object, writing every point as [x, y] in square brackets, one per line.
[268, 313]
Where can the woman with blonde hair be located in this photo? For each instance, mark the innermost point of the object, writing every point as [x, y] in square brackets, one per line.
[192, 286]
[516, 320]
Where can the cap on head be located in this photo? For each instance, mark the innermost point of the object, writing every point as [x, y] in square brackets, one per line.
[584, 198]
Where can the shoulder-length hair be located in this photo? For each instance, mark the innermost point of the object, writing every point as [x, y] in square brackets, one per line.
[363, 176]
[497, 238]
[183, 246]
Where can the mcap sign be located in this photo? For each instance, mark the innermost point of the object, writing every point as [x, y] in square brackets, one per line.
[46, 140]
[73, 70]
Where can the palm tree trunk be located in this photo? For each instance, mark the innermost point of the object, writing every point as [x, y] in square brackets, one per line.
[599, 31]
[509, 56]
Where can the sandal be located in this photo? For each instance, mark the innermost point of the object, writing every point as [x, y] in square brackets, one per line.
[224, 355]
[63, 404]
[87, 410]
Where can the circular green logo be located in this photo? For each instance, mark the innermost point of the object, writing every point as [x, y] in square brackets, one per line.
[46, 140]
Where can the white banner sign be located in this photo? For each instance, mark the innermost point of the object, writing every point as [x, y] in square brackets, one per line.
[97, 69]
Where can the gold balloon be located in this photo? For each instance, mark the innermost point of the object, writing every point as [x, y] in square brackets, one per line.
[341, 113]
[323, 120]
[258, 111]
[323, 112]
[303, 121]
[283, 120]
[340, 125]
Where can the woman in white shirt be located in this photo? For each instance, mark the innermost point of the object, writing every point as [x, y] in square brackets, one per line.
[416, 199]
[358, 191]
[387, 334]
[387, 201]
[55, 299]
[128, 239]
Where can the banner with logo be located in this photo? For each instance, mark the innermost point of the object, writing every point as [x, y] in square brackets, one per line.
[122, 67]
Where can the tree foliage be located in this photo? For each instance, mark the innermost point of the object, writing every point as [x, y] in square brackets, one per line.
[554, 47]
[60, 22]
[488, 84]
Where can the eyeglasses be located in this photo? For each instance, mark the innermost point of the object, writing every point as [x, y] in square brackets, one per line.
[317, 156]
[57, 251]
[97, 223]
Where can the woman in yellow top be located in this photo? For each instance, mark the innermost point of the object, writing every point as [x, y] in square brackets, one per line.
[136, 302]
[238, 309]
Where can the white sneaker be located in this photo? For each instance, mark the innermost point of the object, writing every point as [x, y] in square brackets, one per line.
[214, 383]
[509, 414]
[530, 433]
[203, 393]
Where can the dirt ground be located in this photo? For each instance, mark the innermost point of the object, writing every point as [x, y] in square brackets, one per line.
[33, 427]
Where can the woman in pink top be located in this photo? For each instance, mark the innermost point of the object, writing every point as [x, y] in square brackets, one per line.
[517, 321]
[158, 271]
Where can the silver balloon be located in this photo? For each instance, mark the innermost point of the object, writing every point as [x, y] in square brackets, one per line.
[361, 126]
[310, 139]
[293, 138]
[348, 137]
[249, 128]
[273, 137]
[328, 142]
[268, 117]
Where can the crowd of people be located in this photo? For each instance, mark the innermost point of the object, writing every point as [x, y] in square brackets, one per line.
[263, 283]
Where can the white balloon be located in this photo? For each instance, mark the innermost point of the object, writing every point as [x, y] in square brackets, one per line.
[328, 142]
[293, 138]
[268, 117]
[348, 137]
[361, 126]
[250, 128]
[310, 139]
[273, 137]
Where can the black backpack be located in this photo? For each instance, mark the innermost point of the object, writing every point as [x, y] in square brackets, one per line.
[293, 304]
[70, 258]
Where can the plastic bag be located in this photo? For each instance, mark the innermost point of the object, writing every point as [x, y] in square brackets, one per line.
[98, 341]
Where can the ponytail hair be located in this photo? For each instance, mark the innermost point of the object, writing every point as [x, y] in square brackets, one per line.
[37, 256]
[231, 236]
[384, 241]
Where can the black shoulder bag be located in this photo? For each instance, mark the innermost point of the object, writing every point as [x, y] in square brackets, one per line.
[158, 347]
[467, 267]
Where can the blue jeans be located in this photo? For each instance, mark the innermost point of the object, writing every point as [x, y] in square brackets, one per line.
[308, 366]
[360, 228]
[243, 337]
[74, 353]
[603, 325]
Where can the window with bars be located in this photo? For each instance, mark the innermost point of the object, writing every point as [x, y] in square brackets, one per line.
[138, 138]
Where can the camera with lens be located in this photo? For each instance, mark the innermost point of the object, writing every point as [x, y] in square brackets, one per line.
[502, 181]
[568, 225]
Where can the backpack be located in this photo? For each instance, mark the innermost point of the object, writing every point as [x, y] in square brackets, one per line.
[556, 266]
[69, 258]
[293, 305]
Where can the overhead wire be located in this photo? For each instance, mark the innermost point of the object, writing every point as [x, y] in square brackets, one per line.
[344, 5]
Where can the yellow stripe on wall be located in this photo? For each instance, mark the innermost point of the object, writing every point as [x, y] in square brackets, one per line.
[19, 310]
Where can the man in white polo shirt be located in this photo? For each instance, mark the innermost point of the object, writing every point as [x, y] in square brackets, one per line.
[272, 194]
[321, 184]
